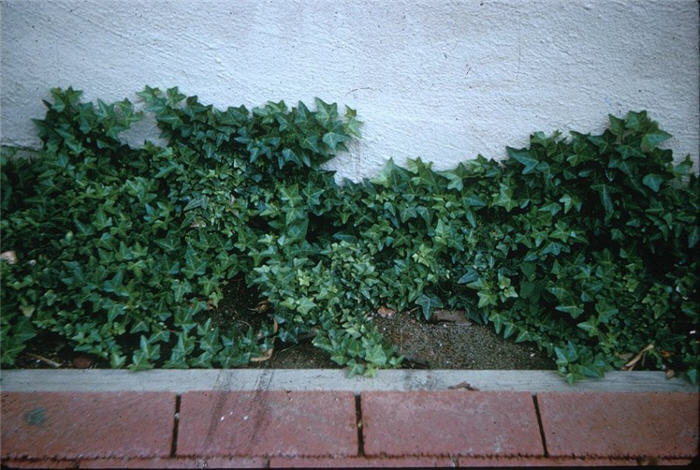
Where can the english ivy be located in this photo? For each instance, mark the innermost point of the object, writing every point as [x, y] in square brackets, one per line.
[586, 246]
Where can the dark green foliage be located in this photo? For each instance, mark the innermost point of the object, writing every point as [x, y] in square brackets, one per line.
[585, 246]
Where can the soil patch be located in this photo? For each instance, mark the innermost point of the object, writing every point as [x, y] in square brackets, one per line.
[456, 344]
[449, 342]
[440, 345]
[437, 345]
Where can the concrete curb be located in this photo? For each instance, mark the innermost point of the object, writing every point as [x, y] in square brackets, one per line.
[181, 381]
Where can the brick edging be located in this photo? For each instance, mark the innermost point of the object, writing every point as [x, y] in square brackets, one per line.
[285, 428]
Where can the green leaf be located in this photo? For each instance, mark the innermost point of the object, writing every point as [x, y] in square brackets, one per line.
[352, 125]
[310, 142]
[376, 355]
[635, 120]
[333, 139]
[651, 140]
[693, 236]
[486, 299]
[605, 198]
[325, 113]
[470, 276]
[427, 305]
[522, 336]
[524, 157]
[196, 203]
[473, 200]
[588, 326]
[627, 151]
[617, 125]
[290, 156]
[653, 181]
[561, 356]
[574, 310]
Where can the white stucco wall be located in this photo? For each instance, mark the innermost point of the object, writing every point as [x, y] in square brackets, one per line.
[443, 80]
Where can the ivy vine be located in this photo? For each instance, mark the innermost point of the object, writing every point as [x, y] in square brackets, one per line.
[586, 246]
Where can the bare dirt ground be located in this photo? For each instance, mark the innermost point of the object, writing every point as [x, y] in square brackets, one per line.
[448, 342]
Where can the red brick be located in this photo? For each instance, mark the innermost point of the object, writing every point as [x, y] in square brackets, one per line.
[60, 425]
[544, 462]
[451, 422]
[620, 424]
[212, 462]
[567, 462]
[267, 423]
[39, 463]
[350, 462]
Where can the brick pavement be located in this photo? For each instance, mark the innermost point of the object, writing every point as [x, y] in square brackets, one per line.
[339, 429]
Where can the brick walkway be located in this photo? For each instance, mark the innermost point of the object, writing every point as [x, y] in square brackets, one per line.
[321, 429]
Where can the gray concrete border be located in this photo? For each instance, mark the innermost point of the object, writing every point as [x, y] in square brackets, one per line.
[180, 381]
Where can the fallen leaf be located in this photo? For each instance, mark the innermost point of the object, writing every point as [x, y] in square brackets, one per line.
[630, 365]
[385, 312]
[262, 307]
[464, 385]
[82, 362]
[44, 360]
[9, 256]
[452, 316]
[265, 356]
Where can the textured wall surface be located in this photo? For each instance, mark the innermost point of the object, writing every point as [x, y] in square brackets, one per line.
[443, 80]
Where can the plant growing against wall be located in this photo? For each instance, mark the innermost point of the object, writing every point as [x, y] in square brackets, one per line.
[585, 246]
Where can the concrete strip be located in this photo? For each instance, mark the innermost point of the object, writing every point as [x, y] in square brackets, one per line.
[180, 381]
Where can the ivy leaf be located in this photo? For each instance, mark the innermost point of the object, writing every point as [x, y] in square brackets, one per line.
[525, 158]
[651, 140]
[376, 355]
[290, 156]
[693, 236]
[605, 197]
[475, 201]
[170, 118]
[617, 125]
[333, 139]
[653, 181]
[523, 336]
[455, 181]
[325, 113]
[574, 310]
[427, 304]
[352, 125]
[486, 299]
[627, 151]
[635, 120]
[470, 276]
[310, 142]
[305, 305]
[588, 326]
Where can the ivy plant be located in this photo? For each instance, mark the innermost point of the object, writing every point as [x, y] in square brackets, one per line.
[586, 246]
